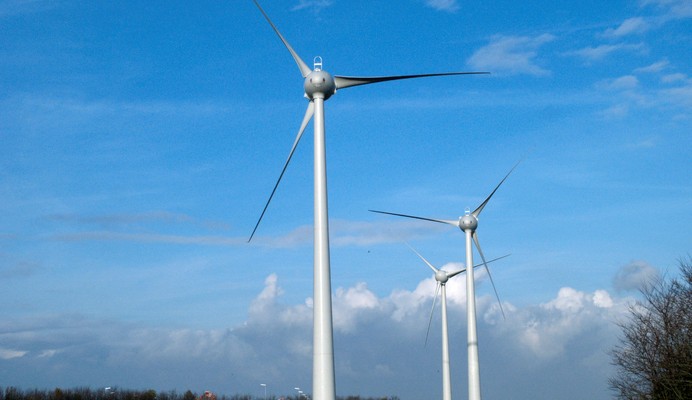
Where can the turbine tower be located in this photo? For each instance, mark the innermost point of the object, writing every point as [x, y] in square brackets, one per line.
[442, 277]
[319, 86]
[468, 224]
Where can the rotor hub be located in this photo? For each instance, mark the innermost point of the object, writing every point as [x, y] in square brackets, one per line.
[468, 221]
[441, 276]
[319, 83]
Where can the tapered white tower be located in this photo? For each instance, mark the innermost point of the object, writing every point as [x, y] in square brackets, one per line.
[319, 86]
[468, 224]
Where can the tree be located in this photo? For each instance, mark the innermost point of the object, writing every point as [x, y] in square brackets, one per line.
[654, 358]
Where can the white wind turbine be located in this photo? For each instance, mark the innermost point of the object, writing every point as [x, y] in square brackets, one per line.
[468, 223]
[442, 277]
[319, 86]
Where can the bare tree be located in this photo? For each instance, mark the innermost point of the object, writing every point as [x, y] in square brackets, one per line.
[654, 357]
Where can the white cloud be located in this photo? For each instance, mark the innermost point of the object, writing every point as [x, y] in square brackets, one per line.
[443, 5]
[679, 96]
[378, 345]
[627, 82]
[350, 303]
[628, 27]
[8, 354]
[629, 92]
[315, 5]
[511, 55]
[645, 143]
[676, 77]
[602, 299]
[616, 111]
[548, 331]
[655, 67]
[48, 353]
[568, 300]
[271, 290]
[604, 50]
[675, 9]
[355, 233]
[148, 238]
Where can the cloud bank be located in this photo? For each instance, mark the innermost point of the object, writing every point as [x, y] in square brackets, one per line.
[555, 349]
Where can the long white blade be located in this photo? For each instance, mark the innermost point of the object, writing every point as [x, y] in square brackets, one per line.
[422, 258]
[478, 246]
[455, 273]
[308, 115]
[442, 221]
[349, 81]
[478, 210]
[304, 69]
[437, 292]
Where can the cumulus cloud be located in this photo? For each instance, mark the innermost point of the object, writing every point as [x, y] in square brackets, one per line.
[379, 346]
[511, 54]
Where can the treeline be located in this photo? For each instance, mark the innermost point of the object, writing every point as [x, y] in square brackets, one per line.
[13, 393]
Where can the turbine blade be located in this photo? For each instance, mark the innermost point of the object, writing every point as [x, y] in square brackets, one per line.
[422, 258]
[442, 221]
[308, 115]
[478, 246]
[451, 275]
[478, 210]
[455, 273]
[304, 69]
[493, 260]
[437, 292]
[349, 81]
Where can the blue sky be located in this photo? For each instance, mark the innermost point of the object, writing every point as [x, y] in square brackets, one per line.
[141, 140]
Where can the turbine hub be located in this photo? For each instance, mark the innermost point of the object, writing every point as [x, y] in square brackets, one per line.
[441, 276]
[468, 221]
[319, 83]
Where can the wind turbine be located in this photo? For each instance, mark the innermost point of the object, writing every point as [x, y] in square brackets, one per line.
[468, 224]
[442, 277]
[319, 86]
